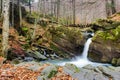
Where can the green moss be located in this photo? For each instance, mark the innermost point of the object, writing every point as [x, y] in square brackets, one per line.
[106, 24]
[55, 48]
[72, 35]
[118, 62]
[113, 34]
[52, 73]
[75, 68]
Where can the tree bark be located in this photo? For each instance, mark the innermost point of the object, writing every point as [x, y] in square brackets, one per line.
[1, 6]
[58, 10]
[20, 13]
[5, 32]
[74, 13]
[12, 13]
[110, 7]
[113, 6]
[30, 6]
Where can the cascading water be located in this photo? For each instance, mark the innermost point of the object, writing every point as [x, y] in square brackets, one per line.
[85, 50]
[81, 60]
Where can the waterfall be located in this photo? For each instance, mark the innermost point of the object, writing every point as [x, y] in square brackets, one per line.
[82, 60]
[86, 48]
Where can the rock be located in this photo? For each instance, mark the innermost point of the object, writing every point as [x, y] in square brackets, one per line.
[115, 75]
[70, 43]
[105, 45]
[71, 68]
[114, 61]
[36, 55]
[90, 67]
[28, 59]
[84, 74]
[35, 66]
[48, 72]
[118, 62]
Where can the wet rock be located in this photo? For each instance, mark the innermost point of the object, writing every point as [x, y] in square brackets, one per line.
[118, 62]
[35, 54]
[114, 61]
[28, 59]
[105, 46]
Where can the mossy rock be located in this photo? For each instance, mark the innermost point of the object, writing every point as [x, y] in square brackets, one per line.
[94, 57]
[105, 24]
[112, 35]
[118, 62]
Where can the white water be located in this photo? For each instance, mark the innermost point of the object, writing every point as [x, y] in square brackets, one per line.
[80, 61]
[85, 50]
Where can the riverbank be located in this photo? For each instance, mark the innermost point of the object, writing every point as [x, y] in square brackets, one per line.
[39, 71]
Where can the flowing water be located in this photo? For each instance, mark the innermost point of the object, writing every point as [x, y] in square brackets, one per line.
[80, 61]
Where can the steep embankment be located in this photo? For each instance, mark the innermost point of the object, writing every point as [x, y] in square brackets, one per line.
[105, 46]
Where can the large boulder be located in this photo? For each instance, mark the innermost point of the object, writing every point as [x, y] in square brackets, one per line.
[67, 38]
[105, 45]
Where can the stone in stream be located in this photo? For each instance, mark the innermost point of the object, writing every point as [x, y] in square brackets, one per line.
[36, 55]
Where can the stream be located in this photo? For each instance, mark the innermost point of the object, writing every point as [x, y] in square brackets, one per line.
[79, 61]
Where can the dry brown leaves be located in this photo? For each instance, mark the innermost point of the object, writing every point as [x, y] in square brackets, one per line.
[115, 17]
[1, 60]
[11, 72]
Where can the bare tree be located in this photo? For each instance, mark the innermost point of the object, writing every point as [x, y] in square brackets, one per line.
[5, 32]
[13, 13]
[58, 9]
[110, 7]
[1, 6]
[20, 13]
[74, 14]
[113, 6]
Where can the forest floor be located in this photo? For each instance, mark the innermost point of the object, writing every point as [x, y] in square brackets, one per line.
[12, 72]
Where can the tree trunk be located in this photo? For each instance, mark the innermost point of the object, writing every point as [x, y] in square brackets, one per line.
[12, 13]
[113, 6]
[58, 10]
[5, 32]
[30, 6]
[54, 11]
[44, 8]
[110, 7]
[1, 6]
[74, 16]
[20, 13]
